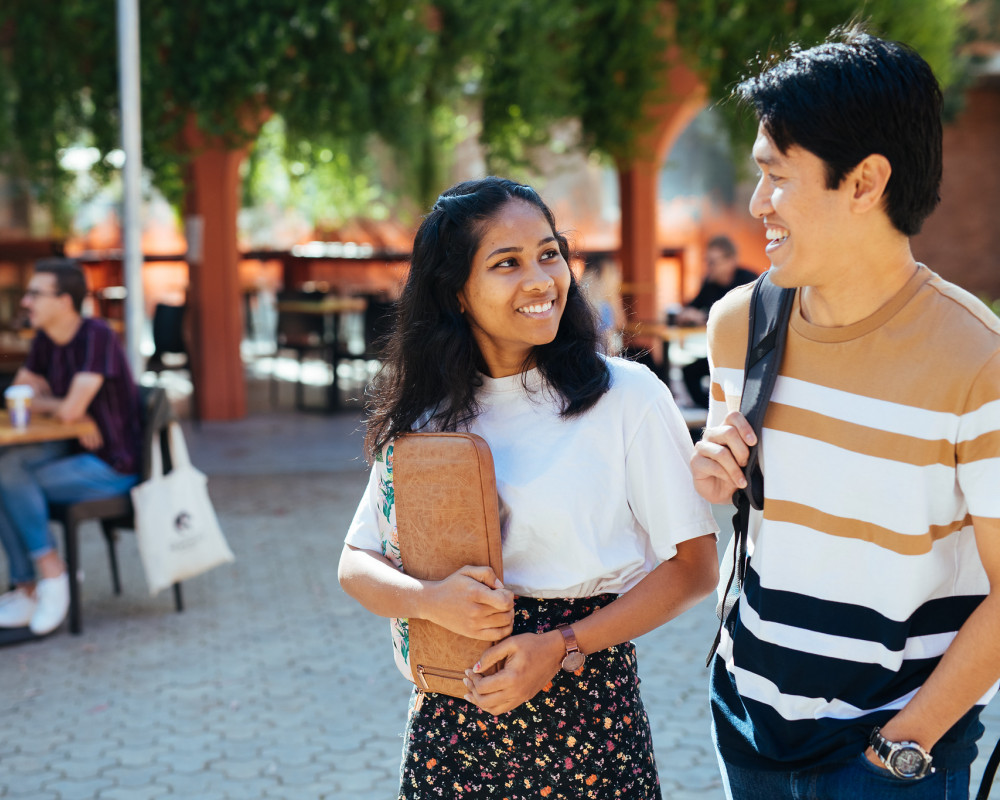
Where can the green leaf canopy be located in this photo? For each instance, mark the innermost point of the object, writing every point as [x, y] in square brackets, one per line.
[342, 72]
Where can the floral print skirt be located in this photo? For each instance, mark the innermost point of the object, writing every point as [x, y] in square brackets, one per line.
[584, 737]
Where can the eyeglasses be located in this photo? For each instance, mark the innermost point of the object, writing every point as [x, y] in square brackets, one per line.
[33, 293]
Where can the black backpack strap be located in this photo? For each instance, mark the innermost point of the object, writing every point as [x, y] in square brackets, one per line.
[770, 310]
[989, 773]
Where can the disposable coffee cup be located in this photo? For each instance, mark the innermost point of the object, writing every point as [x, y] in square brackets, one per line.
[19, 404]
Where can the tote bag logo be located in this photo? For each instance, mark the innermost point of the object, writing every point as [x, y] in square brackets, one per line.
[187, 534]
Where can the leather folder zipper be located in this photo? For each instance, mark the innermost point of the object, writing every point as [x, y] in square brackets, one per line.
[438, 672]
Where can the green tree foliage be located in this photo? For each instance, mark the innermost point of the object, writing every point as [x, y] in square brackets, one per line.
[731, 39]
[337, 72]
[409, 74]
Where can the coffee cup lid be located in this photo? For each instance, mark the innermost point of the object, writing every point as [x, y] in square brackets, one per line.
[19, 390]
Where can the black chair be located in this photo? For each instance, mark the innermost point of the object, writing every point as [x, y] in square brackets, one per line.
[169, 342]
[116, 512]
[380, 319]
[303, 334]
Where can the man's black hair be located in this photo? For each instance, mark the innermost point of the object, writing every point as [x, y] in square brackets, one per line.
[723, 244]
[851, 97]
[69, 278]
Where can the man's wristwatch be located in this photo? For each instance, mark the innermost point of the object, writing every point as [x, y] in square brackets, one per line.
[574, 659]
[906, 760]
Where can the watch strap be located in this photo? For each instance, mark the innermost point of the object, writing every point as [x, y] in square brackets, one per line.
[569, 638]
[574, 658]
[884, 749]
[881, 745]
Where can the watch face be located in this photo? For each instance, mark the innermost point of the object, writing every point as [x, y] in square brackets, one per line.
[907, 761]
[573, 661]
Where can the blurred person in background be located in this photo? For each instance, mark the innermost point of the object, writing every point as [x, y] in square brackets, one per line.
[602, 285]
[77, 369]
[722, 274]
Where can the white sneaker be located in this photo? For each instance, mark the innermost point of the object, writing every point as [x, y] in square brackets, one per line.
[16, 608]
[52, 595]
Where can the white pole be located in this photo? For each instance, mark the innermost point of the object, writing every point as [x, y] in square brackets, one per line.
[128, 82]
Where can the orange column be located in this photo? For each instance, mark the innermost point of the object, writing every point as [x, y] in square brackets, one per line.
[637, 184]
[682, 97]
[214, 305]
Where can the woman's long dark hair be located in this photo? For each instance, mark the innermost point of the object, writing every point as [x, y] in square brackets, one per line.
[431, 361]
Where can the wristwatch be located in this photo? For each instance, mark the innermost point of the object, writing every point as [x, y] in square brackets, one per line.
[574, 659]
[906, 760]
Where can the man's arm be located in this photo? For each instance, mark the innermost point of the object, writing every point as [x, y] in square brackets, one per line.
[969, 667]
[73, 407]
[38, 384]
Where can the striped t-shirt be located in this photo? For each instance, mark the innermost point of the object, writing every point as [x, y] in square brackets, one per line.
[115, 407]
[881, 441]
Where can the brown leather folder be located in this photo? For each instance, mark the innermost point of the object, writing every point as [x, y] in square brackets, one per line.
[447, 517]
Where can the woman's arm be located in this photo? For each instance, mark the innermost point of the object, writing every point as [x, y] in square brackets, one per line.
[533, 659]
[471, 601]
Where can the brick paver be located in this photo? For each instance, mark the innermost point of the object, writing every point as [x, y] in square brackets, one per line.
[272, 683]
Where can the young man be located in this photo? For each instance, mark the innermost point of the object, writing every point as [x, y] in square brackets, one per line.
[722, 274]
[77, 368]
[867, 637]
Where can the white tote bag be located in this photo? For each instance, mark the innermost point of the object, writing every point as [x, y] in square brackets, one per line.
[178, 533]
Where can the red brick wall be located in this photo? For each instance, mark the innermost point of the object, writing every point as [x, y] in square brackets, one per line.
[961, 239]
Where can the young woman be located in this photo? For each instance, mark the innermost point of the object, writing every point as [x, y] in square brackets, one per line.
[604, 537]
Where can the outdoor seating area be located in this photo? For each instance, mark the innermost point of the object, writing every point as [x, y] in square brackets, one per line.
[115, 513]
[546, 400]
[312, 322]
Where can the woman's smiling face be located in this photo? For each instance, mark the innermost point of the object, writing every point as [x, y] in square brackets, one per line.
[516, 291]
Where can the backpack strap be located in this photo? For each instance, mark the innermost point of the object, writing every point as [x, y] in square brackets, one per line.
[770, 310]
[989, 773]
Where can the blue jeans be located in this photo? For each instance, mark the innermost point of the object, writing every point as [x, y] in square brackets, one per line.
[33, 475]
[845, 780]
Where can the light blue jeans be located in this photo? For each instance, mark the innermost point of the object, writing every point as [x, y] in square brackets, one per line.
[33, 475]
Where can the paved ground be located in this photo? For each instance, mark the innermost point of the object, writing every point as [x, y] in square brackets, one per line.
[272, 683]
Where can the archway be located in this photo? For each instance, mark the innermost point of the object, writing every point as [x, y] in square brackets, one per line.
[685, 96]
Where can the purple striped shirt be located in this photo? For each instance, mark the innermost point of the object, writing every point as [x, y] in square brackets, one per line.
[115, 407]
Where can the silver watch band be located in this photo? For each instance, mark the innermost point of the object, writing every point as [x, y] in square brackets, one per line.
[905, 760]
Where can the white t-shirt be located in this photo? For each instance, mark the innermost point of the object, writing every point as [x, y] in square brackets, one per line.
[588, 504]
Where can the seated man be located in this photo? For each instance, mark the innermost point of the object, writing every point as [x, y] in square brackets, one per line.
[77, 367]
[722, 274]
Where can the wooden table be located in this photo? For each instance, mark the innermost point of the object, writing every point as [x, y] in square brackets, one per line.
[662, 331]
[330, 307]
[330, 304]
[42, 429]
[667, 334]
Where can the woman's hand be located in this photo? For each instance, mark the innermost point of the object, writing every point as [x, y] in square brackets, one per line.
[471, 602]
[530, 660]
[719, 457]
